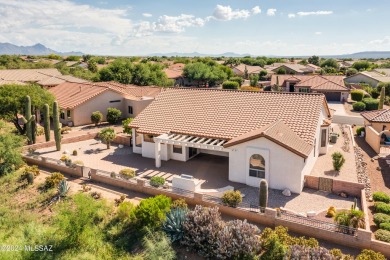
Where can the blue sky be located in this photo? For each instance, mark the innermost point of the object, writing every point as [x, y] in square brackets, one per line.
[268, 27]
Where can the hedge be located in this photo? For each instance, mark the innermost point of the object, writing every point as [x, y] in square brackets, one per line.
[371, 104]
[381, 207]
[359, 106]
[380, 218]
[385, 226]
[230, 85]
[381, 196]
[382, 235]
[357, 95]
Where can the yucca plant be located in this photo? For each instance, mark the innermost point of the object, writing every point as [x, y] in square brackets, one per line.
[63, 188]
[173, 226]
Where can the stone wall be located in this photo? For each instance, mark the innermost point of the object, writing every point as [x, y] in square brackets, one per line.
[351, 188]
[76, 171]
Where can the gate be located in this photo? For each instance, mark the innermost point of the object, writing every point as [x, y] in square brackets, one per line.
[325, 184]
[86, 172]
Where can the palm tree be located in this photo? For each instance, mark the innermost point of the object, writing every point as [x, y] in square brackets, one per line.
[107, 135]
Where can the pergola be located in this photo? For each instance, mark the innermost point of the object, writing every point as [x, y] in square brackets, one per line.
[188, 141]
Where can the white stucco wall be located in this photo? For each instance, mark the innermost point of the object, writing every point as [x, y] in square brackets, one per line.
[177, 156]
[360, 78]
[213, 152]
[138, 106]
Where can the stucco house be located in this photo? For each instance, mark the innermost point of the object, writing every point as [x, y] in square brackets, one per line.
[295, 68]
[239, 70]
[377, 128]
[79, 100]
[373, 78]
[333, 87]
[266, 135]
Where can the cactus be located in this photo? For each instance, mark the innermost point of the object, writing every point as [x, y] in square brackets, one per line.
[33, 131]
[28, 119]
[382, 98]
[57, 125]
[46, 118]
[63, 188]
[30, 177]
[354, 203]
[263, 194]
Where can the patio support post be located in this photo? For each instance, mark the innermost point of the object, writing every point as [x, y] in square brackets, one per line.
[157, 148]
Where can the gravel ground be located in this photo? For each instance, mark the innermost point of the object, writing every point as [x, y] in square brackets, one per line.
[308, 200]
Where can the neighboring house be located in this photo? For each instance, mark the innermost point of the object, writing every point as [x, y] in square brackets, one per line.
[79, 100]
[44, 77]
[296, 69]
[373, 78]
[175, 72]
[333, 87]
[265, 135]
[346, 64]
[239, 70]
[377, 128]
[385, 71]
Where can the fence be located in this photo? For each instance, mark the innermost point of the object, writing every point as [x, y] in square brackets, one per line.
[318, 223]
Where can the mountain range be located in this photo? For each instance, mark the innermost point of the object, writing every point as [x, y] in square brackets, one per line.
[37, 49]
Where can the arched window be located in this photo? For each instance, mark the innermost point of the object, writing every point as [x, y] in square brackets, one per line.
[257, 166]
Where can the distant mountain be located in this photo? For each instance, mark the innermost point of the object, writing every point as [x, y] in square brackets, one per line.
[197, 54]
[37, 49]
[366, 54]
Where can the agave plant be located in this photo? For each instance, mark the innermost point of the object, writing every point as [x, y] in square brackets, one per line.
[173, 226]
[63, 188]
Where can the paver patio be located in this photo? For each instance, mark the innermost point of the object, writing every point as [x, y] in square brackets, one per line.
[323, 167]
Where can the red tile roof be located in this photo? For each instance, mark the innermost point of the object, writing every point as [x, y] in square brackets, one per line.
[380, 116]
[316, 82]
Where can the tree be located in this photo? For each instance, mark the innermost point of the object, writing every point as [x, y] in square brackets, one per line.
[281, 71]
[303, 62]
[204, 74]
[92, 66]
[332, 63]
[361, 65]
[96, 117]
[12, 100]
[107, 135]
[263, 74]
[315, 60]
[126, 127]
[10, 149]
[254, 79]
[113, 115]
[382, 99]
[350, 72]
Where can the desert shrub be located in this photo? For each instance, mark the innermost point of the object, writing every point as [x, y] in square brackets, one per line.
[173, 225]
[371, 104]
[157, 246]
[179, 203]
[33, 169]
[381, 196]
[338, 160]
[29, 176]
[40, 130]
[375, 93]
[282, 235]
[335, 252]
[301, 252]
[274, 249]
[239, 80]
[201, 230]
[53, 180]
[353, 218]
[331, 212]
[65, 129]
[96, 195]
[359, 106]
[78, 162]
[126, 211]
[232, 198]
[157, 181]
[151, 212]
[127, 173]
[381, 207]
[230, 85]
[113, 115]
[126, 127]
[249, 88]
[96, 117]
[385, 226]
[382, 235]
[74, 153]
[359, 130]
[120, 199]
[380, 218]
[368, 254]
[357, 95]
[238, 240]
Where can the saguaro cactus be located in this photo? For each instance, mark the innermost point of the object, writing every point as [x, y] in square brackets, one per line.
[382, 98]
[28, 119]
[46, 118]
[263, 194]
[33, 131]
[57, 125]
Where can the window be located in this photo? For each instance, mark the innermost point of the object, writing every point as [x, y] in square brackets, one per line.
[177, 149]
[257, 166]
[130, 109]
[323, 137]
[138, 139]
[62, 115]
[115, 101]
[148, 138]
[304, 90]
[68, 113]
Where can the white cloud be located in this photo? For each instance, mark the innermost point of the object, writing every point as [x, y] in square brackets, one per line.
[256, 10]
[318, 33]
[226, 13]
[271, 12]
[147, 15]
[384, 41]
[291, 15]
[315, 13]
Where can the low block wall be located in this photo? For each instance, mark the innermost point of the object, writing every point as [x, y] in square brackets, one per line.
[380, 246]
[121, 139]
[351, 188]
[77, 171]
[64, 140]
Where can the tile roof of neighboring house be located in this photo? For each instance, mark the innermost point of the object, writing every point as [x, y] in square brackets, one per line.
[317, 82]
[380, 116]
[293, 66]
[279, 133]
[251, 69]
[175, 70]
[56, 80]
[386, 71]
[70, 94]
[227, 114]
[315, 67]
[374, 75]
[7, 82]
